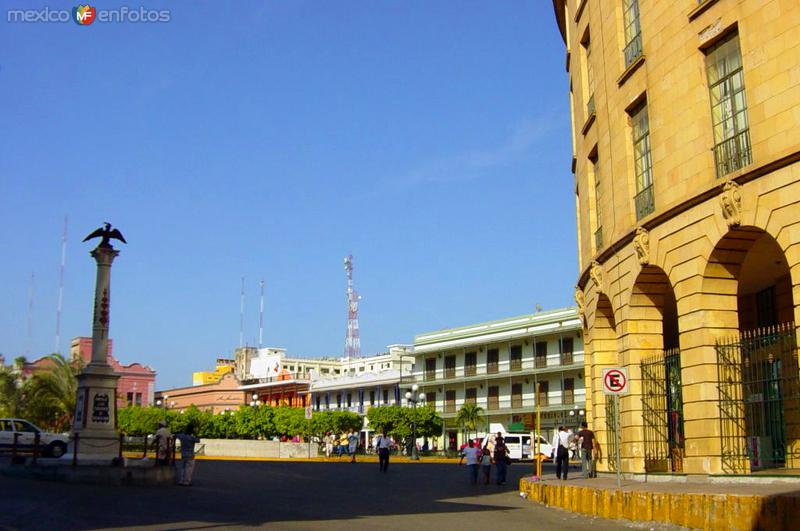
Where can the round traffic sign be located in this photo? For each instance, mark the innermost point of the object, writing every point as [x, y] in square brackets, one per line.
[615, 381]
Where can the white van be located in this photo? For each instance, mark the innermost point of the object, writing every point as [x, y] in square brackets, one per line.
[519, 445]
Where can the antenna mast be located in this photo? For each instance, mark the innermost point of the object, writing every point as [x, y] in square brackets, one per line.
[352, 345]
[61, 287]
[261, 316]
[241, 316]
[30, 315]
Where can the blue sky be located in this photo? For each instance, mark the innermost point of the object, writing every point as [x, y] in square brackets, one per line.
[429, 139]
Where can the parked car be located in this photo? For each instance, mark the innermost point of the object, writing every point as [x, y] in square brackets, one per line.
[519, 446]
[51, 444]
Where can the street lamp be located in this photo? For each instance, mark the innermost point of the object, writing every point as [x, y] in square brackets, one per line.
[413, 398]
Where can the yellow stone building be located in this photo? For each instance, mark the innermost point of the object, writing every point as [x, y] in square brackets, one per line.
[223, 367]
[686, 138]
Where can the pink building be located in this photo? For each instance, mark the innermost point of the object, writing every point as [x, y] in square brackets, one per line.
[137, 382]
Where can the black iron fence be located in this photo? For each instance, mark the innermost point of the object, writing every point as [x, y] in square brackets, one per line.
[759, 399]
[662, 412]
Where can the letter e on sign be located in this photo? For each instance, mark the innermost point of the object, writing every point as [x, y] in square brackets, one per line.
[615, 381]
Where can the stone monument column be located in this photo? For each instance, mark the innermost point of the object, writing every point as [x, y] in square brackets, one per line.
[94, 432]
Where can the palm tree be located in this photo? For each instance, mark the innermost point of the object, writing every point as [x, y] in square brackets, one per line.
[12, 392]
[53, 392]
[470, 416]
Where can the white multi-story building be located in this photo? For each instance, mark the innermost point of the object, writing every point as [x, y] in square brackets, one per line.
[361, 383]
[508, 368]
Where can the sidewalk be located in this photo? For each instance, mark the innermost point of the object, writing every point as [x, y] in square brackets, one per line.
[706, 504]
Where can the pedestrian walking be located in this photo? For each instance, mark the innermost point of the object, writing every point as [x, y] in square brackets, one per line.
[501, 459]
[162, 440]
[472, 453]
[352, 441]
[486, 463]
[561, 450]
[586, 442]
[383, 444]
[328, 441]
[343, 446]
[187, 440]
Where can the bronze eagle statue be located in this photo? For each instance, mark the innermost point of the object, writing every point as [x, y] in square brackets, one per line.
[107, 233]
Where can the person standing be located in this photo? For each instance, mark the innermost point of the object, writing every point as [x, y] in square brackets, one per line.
[343, 446]
[561, 450]
[383, 444]
[486, 463]
[352, 440]
[586, 442]
[187, 440]
[162, 436]
[501, 459]
[472, 453]
[327, 440]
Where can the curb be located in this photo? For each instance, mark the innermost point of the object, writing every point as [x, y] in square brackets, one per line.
[692, 510]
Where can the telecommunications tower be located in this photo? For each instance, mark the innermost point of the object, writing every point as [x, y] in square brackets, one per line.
[352, 345]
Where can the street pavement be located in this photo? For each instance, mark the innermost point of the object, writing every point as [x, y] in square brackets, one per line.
[293, 495]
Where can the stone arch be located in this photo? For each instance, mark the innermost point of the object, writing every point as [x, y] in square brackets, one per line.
[749, 340]
[653, 353]
[604, 353]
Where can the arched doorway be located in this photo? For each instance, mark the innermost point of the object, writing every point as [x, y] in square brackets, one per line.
[655, 307]
[759, 380]
[604, 354]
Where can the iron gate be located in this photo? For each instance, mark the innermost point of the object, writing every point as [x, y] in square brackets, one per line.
[759, 399]
[611, 433]
[662, 412]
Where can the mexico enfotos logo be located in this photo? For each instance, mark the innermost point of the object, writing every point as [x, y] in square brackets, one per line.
[85, 15]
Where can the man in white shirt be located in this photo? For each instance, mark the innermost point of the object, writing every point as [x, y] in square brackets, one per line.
[473, 456]
[383, 444]
[561, 450]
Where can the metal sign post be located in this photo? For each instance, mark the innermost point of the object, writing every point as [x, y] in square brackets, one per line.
[615, 382]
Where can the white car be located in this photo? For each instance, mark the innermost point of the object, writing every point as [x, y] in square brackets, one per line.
[52, 444]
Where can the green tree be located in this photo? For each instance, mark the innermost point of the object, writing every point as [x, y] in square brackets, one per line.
[12, 393]
[394, 419]
[53, 393]
[429, 423]
[469, 417]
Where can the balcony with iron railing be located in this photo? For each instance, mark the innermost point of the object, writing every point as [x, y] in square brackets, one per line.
[633, 50]
[449, 372]
[568, 397]
[470, 370]
[430, 376]
[449, 406]
[733, 153]
[516, 401]
[516, 364]
[551, 361]
[566, 358]
[284, 377]
[645, 202]
[540, 362]
[493, 403]
[492, 367]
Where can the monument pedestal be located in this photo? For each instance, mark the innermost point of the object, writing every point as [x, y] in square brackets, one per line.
[95, 436]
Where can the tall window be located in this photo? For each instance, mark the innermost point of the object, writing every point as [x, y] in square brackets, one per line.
[541, 355]
[450, 402]
[430, 369]
[728, 106]
[430, 398]
[470, 363]
[493, 401]
[589, 73]
[566, 351]
[598, 223]
[542, 391]
[642, 161]
[471, 396]
[385, 396]
[492, 360]
[450, 367]
[516, 395]
[569, 391]
[515, 357]
[633, 31]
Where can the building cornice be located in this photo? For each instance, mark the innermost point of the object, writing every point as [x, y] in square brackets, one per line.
[656, 219]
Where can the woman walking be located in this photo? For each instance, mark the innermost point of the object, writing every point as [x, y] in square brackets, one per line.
[486, 463]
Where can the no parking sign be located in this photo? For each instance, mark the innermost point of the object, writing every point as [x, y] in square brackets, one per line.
[615, 381]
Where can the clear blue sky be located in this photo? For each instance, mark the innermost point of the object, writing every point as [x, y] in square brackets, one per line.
[430, 139]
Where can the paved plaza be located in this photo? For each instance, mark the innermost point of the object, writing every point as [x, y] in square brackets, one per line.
[291, 495]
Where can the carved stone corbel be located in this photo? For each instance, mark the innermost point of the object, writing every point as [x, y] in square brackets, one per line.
[731, 202]
[596, 274]
[641, 242]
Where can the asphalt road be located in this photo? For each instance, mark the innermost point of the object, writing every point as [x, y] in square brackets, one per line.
[291, 495]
